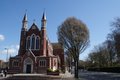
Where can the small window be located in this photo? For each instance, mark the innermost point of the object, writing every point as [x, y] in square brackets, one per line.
[15, 63]
[42, 63]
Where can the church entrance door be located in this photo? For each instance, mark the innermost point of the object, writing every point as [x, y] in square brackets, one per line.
[28, 68]
[28, 65]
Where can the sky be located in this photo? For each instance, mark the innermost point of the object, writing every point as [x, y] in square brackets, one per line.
[96, 14]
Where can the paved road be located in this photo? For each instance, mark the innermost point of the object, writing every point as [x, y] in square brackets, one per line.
[85, 75]
[98, 76]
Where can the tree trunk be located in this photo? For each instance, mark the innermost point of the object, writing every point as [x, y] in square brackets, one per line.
[76, 68]
[71, 65]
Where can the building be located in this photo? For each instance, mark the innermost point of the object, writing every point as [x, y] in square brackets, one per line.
[2, 64]
[36, 53]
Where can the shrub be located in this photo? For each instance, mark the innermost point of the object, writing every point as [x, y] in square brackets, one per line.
[51, 72]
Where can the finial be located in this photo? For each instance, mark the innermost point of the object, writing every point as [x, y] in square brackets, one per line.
[25, 11]
[44, 10]
[33, 20]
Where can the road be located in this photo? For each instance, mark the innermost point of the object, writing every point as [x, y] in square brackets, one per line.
[85, 75]
[98, 76]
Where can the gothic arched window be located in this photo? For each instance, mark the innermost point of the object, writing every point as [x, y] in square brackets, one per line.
[37, 42]
[28, 43]
[33, 42]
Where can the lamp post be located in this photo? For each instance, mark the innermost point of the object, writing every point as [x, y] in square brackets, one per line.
[7, 61]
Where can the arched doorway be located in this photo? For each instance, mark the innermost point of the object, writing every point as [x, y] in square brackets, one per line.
[28, 65]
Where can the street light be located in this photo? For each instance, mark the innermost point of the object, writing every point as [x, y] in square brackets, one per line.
[7, 54]
[7, 61]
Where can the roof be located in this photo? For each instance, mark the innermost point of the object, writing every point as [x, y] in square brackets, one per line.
[33, 27]
[57, 46]
[1, 61]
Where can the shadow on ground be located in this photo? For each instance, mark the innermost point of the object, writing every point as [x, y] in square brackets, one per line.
[98, 76]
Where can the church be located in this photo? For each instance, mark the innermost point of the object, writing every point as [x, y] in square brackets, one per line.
[36, 53]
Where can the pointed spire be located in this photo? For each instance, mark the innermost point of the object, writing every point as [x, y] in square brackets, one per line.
[43, 24]
[25, 18]
[24, 22]
[44, 16]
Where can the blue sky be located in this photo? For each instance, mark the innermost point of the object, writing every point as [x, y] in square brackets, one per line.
[96, 14]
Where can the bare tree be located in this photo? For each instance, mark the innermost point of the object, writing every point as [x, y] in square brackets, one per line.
[74, 36]
[111, 50]
[116, 36]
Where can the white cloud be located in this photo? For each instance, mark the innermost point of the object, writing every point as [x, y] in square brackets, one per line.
[17, 47]
[2, 37]
[9, 51]
[12, 49]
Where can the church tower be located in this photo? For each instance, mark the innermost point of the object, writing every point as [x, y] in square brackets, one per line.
[23, 35]
[43, 30]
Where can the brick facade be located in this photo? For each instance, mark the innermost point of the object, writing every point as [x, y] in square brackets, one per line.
[36, 54]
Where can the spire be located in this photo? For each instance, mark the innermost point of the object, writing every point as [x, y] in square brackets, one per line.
[24, 22]
[44, 16]
[25, 18]
[43, 24]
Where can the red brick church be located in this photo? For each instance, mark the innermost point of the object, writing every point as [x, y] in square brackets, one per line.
[36, 53]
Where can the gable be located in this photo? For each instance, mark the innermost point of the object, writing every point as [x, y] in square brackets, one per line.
[34, 28]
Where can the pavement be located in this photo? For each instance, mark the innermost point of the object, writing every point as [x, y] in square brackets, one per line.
[83, 75]
[88, 75]
[66, 76]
